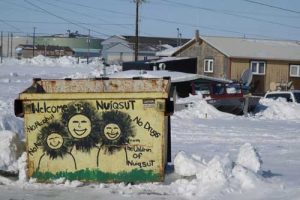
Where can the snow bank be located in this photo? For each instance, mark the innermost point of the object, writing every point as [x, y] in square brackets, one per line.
[199, 108]
[10, 150]
[22, 167]
[187, 166]
[277, 109]
[219, 172]
[248, 157]
[65, 61]
[8, 121]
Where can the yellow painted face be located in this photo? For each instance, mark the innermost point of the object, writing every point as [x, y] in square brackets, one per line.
[55, 141]
[79, 126]
[112, 131]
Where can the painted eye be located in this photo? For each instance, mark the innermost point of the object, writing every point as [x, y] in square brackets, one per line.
[76, 122]
[83, 121]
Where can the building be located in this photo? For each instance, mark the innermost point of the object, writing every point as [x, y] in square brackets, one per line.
[11, 42]
[26, 51]
[119, 49]
[82, 45]
[273, 62]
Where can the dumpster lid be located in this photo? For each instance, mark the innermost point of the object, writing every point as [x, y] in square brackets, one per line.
[98, 86]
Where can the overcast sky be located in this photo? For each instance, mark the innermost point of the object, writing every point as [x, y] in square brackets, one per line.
[271, 19]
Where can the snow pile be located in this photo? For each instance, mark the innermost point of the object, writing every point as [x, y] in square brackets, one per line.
[10, 150]
[8, 121]
[22, 167]
[218, 173]
[187, 166]
[199, 108]
[248, 157]
[277, 109]
[99, 71]
[64, 61]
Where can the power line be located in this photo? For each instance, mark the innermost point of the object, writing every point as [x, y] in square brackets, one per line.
[19, 5]
[12, 26]
[155, 19]
[62, 18]
[271, 6]
[205, 27]
[231, 14]
[49, 22]
[80, 13]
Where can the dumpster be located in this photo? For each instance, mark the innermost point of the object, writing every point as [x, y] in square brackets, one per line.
[97, 130]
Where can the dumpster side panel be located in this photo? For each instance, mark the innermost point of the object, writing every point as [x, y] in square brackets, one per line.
[105, 140]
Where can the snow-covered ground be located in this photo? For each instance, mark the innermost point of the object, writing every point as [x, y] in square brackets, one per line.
[215, 155]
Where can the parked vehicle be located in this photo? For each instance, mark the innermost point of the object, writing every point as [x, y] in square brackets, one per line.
[290, 96]
[232, 98]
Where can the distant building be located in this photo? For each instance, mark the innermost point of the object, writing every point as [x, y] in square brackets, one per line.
[26, 51]
[10, 44]
[82, 45]
[119, 49]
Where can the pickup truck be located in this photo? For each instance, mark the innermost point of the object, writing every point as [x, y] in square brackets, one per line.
[290, 96]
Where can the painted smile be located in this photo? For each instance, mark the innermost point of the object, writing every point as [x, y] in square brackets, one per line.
[56, 144]
[113, 135]
[80, 132]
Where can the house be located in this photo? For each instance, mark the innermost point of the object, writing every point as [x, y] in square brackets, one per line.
[82, 45]
[26, 51]
[274, 63]
[118, 49]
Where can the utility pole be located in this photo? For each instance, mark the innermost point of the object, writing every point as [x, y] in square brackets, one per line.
[33, 41]
[88, 55]
[7, 44]
[180, 36]
[11, 44]
[1, 46]
[136, 49]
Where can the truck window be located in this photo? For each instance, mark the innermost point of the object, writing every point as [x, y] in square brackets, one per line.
[281, 95]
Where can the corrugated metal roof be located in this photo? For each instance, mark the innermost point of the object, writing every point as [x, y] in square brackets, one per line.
[256, 48]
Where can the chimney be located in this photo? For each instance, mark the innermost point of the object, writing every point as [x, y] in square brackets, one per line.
[197, 36]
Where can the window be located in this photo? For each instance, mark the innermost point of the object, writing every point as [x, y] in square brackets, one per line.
[209, 65]
[258, 67]
[295, 70]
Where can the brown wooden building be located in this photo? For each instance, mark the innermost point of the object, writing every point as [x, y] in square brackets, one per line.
[273, 63]
[26, 51]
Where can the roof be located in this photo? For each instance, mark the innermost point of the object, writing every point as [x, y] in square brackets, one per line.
[175, 76]
[155, 40]
[254, 48]
[43, 47]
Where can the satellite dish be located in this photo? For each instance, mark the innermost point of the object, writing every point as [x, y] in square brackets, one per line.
[246, 77]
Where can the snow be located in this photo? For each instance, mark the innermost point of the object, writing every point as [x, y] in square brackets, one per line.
[248, 157]
[278, 109]
[10, 148]
[215, 155]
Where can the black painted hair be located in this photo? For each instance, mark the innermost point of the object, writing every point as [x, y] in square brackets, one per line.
[58, 128]
[86, 109]
[124, 122]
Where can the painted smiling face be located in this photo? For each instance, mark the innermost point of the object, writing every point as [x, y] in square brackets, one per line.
[112, 131]
[79, 126]
[55, 141]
